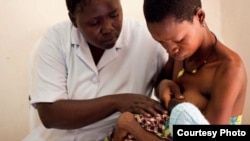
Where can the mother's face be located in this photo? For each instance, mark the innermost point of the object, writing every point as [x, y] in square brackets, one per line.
[180, 39]
[100, 22]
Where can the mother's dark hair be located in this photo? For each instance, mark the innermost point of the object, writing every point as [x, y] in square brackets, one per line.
[157, 10]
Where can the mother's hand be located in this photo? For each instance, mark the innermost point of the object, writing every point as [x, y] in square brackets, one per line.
[168, 89]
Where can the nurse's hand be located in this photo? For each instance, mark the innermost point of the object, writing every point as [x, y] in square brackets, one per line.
[138, 104]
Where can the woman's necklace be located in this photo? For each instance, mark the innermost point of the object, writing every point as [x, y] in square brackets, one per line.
[195, 70]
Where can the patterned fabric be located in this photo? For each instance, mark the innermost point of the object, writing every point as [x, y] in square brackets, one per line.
[236, 120]
[157, 125]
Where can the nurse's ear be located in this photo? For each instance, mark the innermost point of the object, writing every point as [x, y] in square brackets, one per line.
[200, 14]
[72, 18]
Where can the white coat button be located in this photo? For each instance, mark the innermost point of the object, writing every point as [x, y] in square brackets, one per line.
[95, 79]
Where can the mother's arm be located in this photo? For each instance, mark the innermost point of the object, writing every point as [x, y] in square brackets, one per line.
[228, 92]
